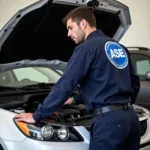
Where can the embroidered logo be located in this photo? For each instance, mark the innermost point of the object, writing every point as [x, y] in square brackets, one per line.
[116, 54]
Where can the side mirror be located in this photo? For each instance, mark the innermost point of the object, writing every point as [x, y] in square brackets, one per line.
[148, 76]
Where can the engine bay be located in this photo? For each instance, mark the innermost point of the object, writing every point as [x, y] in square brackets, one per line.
[71, 114]
[29, 102]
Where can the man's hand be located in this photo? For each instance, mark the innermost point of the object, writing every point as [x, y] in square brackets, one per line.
[26, 117]
[69, 101]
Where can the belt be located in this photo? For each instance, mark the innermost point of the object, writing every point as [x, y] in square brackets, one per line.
[102, 110]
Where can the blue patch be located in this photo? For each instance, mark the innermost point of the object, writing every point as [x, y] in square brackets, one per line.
[116, 54]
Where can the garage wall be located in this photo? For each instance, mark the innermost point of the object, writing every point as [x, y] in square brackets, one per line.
[9, 7]
[137, 34]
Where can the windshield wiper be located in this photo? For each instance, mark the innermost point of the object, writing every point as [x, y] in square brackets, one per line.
[8, 88]
[38, 86]
[27, 87]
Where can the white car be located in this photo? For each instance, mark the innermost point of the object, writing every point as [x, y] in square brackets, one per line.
[33, 50]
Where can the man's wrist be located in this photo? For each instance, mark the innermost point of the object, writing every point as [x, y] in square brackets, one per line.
[36, 116]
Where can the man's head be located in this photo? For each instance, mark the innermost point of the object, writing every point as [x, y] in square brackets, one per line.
[80, 23]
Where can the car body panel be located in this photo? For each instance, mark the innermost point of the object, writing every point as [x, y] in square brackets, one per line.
[32, 144]
[32, 36]
[8, 130]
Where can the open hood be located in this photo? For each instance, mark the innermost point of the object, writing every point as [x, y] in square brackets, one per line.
[37, 32]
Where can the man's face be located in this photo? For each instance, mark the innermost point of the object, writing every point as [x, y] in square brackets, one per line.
[75, 31]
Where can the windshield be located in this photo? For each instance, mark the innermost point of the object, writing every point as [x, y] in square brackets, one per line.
[141, 64]
[28, 76]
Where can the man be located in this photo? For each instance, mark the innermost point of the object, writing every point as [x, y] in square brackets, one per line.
[103, 69]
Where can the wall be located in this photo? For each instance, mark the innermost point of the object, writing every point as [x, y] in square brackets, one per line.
[9, 7]
[137, 34]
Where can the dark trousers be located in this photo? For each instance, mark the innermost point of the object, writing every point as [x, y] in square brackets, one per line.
[115, 130]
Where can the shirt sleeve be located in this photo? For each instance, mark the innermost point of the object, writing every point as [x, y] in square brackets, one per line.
[78, 99]
[75, 72]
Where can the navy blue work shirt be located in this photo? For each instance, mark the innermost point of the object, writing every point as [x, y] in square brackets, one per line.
[102, 68]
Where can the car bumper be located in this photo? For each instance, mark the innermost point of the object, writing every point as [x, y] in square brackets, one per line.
[29, 144]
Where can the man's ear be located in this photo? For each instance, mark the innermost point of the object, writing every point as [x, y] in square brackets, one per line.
[83, 23]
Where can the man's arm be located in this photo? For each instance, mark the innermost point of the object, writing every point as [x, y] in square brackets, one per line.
[75, 72]
[76, 69]
[77, 99]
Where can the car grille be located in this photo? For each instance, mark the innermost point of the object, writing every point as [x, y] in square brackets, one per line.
[143, 127]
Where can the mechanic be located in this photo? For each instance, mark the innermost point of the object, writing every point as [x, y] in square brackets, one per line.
[103, 69]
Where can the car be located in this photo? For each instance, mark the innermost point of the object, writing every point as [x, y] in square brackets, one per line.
[140, 57]
[34, 50]
[23, 89]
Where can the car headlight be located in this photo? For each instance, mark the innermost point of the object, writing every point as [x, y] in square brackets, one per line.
[49, 132]
[63, 133]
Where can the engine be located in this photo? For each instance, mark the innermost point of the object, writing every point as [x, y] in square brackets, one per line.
[29, 103]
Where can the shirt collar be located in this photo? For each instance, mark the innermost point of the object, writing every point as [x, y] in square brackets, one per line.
[94, 33]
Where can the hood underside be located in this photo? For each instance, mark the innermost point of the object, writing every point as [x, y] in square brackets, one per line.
[40, 33]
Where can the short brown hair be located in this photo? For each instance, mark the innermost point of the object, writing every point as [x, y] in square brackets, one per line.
[80, 13]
